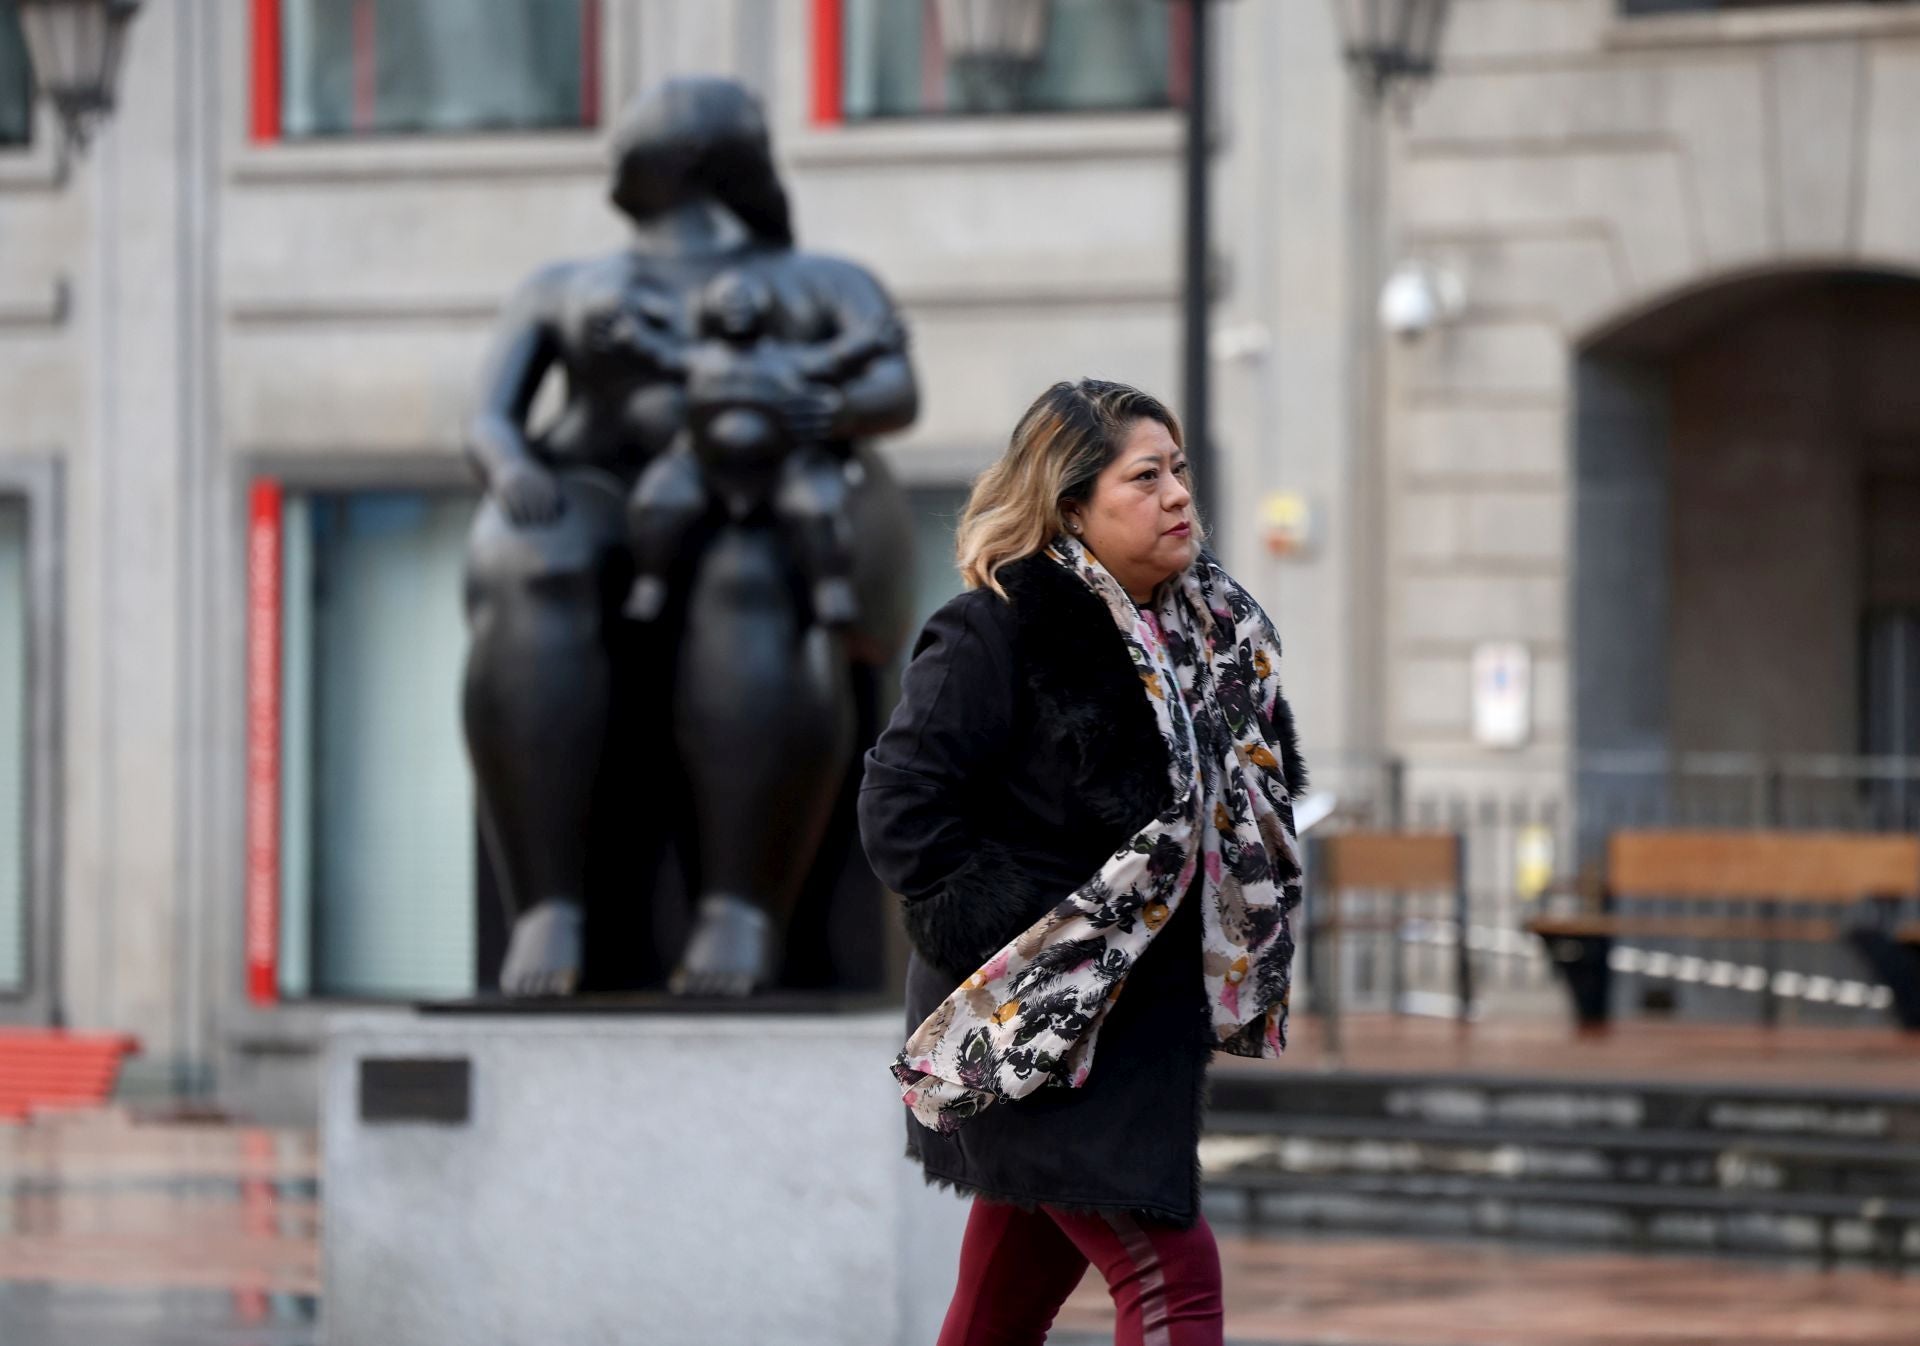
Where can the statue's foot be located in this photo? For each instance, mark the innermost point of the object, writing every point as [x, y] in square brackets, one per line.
[835, 603]
[731, 951]
[647, 599]
[543, 956]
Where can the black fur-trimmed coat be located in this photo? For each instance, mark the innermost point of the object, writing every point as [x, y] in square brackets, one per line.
[1021, 755]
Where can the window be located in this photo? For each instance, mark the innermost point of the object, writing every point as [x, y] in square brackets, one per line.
[377, 850]
[361, 67]
[16, 80]
[1891, 723]
[13, 746]
[917, 57]
[936, 513]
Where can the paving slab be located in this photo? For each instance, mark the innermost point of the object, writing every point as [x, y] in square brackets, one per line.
[114, 1233]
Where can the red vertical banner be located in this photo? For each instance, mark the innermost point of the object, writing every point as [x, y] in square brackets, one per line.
[266, 70]
[828, 52]
[366, 65]
[589, 62]
[265, 548]
[933, 59]
[1180, 20]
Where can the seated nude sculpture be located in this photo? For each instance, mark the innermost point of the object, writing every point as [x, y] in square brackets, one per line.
[719, 389]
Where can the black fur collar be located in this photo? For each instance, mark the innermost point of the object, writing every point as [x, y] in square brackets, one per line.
[1080, 672]
[1086, 690]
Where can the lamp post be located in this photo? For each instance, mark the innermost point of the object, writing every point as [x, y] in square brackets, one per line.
[75, 46]
[1392, 48]
[991, 47]
[1197, 279]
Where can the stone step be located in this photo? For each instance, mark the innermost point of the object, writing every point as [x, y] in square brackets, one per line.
[1498, 1106]
[1313, 1145]
[1774, 1168]
[1463, 1187]
[1876, 1227]
[1224, 1158]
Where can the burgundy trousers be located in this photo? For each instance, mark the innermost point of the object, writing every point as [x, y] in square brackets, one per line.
[1017, 1268]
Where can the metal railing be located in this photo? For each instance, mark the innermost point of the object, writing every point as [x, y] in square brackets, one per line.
[1527, 825]
[1635, 8]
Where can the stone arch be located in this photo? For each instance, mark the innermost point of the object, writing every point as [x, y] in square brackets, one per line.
[1695, 302]
[1746, 468]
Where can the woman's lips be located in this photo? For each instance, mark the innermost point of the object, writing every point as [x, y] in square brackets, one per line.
[1181, 529]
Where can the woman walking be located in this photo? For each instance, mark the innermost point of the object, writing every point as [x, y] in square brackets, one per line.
[1085, 798]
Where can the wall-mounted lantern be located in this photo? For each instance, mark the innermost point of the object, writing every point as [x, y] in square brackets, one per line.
[75, 46]
[1391, 44]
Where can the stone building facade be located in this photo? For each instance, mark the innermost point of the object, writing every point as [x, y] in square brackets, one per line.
[1680, 240]
[1670, 445]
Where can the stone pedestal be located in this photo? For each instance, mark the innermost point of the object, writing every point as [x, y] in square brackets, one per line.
[677, 1179]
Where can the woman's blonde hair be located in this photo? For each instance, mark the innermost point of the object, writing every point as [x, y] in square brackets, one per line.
[1060, 447]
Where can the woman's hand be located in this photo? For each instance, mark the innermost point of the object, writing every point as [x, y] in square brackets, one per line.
[529, 494]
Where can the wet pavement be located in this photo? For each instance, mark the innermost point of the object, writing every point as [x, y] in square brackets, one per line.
[117, 1234]
[1326, 1289]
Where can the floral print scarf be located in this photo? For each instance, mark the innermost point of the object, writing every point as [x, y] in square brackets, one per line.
[1208, 662]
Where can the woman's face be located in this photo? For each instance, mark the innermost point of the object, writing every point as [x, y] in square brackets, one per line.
[1139, 520]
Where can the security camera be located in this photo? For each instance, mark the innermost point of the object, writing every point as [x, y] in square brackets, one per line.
[1419, 297]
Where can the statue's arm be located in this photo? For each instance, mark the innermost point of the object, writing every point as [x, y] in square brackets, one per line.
[661, 353]
[524, 348]
[843, 356]
[882, 395]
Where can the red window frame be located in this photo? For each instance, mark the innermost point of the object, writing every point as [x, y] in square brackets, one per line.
[829, 72]
[267, 58]
[266, 70]
[265, 549]
[828, 44]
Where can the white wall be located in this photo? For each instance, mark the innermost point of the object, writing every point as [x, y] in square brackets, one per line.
[1576, 169]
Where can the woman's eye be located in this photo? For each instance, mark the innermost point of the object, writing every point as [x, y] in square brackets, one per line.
[1179, 469]
[1148, 475]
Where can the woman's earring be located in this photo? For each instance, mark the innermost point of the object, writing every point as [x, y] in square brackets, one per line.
[1073, 528]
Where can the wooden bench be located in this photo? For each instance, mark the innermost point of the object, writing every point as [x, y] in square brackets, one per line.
[1830, 876]
[1393, 864]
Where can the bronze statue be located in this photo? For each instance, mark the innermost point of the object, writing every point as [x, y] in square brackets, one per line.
[682, 589]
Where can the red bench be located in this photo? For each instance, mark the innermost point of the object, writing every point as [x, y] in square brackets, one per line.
[43, 1068]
